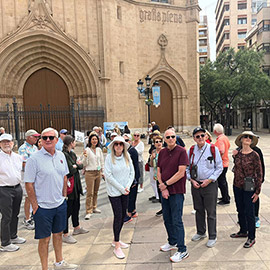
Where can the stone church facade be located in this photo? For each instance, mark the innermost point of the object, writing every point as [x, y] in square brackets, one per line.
[95, 51]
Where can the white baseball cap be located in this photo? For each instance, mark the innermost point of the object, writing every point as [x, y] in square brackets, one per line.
[6, 137]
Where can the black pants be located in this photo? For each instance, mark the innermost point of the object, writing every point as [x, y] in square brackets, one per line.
[119, 207]
[257, 206]
[159, 192]
[223, 185]
[245, 209]
[132, 198]
[10, 202]
[73, 208]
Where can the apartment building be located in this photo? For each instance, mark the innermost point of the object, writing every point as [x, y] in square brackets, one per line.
[234, 18]
[204, 48]
[259, 36]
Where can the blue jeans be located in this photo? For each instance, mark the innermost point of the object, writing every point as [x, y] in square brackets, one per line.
[246, 211]
[172, 214]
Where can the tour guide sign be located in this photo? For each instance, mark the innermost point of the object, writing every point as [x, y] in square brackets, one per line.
[157, 16]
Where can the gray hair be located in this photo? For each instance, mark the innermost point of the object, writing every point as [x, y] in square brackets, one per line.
[219, 128]
[50, 129]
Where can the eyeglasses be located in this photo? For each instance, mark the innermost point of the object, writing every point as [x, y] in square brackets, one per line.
[198, 136]
[168, 137]
[136, 135]
[116, 144]
[45, 138]
[248, 136]
[126, 140]
[158, 141]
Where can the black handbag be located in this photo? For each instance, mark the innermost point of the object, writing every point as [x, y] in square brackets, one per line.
[249, 184]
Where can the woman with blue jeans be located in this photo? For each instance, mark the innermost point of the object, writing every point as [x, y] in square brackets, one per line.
[119, 175]
[246, 185]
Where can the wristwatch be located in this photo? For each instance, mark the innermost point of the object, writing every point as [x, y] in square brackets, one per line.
[165, 183]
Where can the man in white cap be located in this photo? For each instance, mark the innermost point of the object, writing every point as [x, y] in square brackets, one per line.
[10, 194]
[26, 150]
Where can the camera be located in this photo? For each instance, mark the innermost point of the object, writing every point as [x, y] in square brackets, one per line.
[193, 172]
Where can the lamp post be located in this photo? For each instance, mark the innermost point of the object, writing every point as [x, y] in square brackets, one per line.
[147, 92]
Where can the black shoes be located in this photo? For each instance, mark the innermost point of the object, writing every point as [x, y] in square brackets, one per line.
[223, 203]
[152, 198]
[239, 235]
[159, 213]
[249, 243]
[155, 201]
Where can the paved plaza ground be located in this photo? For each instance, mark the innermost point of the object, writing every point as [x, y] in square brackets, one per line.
[146, 233]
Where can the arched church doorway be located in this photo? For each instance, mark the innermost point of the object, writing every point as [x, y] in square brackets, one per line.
[163, 114]
[46, 101]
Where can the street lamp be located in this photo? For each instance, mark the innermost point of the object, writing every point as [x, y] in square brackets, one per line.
[147, 92]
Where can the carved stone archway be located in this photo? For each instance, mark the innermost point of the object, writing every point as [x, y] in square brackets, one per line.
[165, 72]
[39, 43]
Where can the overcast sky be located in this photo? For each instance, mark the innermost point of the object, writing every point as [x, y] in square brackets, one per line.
[208, 8]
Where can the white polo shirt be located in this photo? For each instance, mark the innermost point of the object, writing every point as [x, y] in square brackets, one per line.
[47, 172]
[10, 169]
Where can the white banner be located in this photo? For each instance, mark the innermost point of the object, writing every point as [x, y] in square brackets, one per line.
[79, 136]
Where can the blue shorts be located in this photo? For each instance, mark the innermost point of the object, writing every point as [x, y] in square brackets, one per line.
[49, 221]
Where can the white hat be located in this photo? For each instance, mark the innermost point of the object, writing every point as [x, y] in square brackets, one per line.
[6, 137]
[113, 134]
[239, 137]
[31, 132]
[118, 139]
[128, 135]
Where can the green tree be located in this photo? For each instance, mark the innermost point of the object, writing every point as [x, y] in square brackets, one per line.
[232, 75]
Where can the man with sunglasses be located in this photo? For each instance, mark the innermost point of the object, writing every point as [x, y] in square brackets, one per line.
[46, 186]
[60, 143]
[203, 171]
[171, 174]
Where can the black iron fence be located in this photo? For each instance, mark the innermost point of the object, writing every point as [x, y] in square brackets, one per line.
[18, 119]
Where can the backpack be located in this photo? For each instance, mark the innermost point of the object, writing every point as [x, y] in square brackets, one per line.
[212, 149]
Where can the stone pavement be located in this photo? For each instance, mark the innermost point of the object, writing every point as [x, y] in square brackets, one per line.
[146, 233]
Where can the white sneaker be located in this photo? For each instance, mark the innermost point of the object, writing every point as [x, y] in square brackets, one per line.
[29, 224]
[69, 239]
[118, 253]
[66, 265]
[96, 211]
[18, 240]
[197, 237]
[167, 247]
[122, 245]
[179, 256]
[211, 243]
[9, 248]
[140, 190]
[87, 216]
[80, 231]
[193, 212]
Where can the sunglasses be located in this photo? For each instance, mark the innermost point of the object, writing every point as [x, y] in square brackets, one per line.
[168, 137]
[248, 136]
[64, 133]
[45, 138]
[136, 135]
[126, 140]
[158, 141]
[199, 136]
[121, 144]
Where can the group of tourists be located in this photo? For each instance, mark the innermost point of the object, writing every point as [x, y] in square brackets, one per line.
[50, 181]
